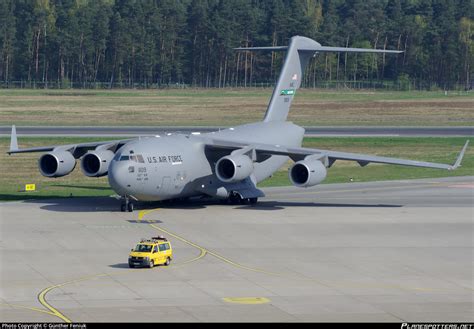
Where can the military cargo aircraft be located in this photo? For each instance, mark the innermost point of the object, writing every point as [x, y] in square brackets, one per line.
[225, 164]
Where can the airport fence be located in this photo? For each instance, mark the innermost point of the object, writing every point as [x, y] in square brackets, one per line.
[388, 85]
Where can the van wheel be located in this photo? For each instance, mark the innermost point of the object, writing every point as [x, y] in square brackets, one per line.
[151, 264]
[168, 260]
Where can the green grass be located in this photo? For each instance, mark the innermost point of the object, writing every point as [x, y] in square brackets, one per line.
[217, 107]
[21, 169]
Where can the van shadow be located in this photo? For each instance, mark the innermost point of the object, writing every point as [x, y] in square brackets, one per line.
[125, 266]
[120, 265]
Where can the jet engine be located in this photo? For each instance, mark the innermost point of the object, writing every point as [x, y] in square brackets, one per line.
[306, 173]
[96, 163]
[230, 169]
[56, 163]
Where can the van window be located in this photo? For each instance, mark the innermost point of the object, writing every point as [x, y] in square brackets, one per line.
[162, 247]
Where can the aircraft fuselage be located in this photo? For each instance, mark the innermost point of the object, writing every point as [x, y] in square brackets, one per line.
[177, 166]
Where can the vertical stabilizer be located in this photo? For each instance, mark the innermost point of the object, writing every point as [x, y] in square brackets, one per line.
[298, 54]
[290, 77]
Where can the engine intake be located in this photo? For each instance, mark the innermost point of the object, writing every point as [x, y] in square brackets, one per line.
[96, 163]
[231, 169]
[56, 163]
[307, 173]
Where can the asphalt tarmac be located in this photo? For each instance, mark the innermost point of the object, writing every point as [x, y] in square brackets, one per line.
[310, 131]
[399, 251]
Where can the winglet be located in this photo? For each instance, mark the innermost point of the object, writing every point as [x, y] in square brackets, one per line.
[13, 141]
[460, 156]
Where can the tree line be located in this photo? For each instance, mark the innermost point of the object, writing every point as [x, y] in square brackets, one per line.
[155, 43]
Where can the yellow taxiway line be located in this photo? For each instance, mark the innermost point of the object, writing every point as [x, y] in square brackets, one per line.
[246, 300]
[54, 311]
[28, 308]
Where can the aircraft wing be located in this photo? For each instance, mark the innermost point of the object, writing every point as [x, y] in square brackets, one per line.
[328, 157]
[76, 149]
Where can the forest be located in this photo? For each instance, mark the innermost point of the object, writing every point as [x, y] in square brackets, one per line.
[189, 43]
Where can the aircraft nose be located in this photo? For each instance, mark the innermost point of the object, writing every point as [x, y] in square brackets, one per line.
[117, 175]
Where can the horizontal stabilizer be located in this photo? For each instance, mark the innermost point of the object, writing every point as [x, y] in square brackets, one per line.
[324, 49]
[278, 48]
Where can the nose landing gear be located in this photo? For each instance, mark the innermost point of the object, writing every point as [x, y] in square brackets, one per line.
[127, 204]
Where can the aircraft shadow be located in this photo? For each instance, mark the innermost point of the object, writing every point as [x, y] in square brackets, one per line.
[109, 204]
[280, 205]
[78, 204]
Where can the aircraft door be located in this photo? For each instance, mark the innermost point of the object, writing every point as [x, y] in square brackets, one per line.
[165, 187]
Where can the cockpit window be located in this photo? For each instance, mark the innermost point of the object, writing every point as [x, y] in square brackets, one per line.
[135, 158]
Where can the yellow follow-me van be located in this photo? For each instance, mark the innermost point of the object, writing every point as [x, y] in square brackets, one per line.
[154, 251]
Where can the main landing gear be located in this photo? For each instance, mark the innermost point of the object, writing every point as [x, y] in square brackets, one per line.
[235, 198]
[127, 204]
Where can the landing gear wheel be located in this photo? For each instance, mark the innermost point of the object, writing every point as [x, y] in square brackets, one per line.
[235, 198]
[130, 207]
[151, 264]
[123, 208]
[253, 200]
[168, 260]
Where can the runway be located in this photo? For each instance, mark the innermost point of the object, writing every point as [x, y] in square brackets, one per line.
[398, 251]
[310, 131]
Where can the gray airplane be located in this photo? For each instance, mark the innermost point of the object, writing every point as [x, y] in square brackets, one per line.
[225, 164]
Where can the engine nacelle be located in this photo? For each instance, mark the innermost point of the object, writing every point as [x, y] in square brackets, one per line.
[96, 163]
[307, 173]
[230, 169]
[56, 163]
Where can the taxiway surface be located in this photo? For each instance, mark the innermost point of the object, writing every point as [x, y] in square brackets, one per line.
[385, 251]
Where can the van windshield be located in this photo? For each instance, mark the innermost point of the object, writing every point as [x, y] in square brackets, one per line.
[143, 248]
